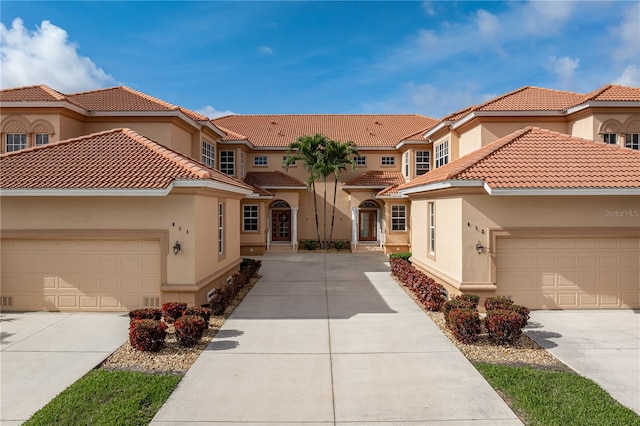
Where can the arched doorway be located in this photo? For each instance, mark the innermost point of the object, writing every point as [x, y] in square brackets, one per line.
[368, 221]
[280, 221]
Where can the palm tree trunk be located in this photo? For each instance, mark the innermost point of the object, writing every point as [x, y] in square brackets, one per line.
[315, 209]
[333, 213]
[324, 244]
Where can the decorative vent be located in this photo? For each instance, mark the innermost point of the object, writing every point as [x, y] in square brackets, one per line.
[151, 302]
[7, 300]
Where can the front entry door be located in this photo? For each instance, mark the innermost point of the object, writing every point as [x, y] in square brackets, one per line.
[368, 220]
[281, 225]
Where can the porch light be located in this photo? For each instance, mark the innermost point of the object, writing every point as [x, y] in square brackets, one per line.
[479, 247]
[176, 248]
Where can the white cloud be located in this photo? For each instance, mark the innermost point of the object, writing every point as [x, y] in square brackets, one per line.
[628, 33]
[629, 77]
[212, 112]
[427, 7]
[565, 68]
[488, 23]
[265, 50]
[46, 56]
[543, 18]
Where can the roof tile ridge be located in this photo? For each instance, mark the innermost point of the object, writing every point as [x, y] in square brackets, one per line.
[62, 142]
[86, 92]
[151, 98]
[187, 163]
[473, 158]
[229, 132]
[504, 95]
[54, 93]
[188, 111]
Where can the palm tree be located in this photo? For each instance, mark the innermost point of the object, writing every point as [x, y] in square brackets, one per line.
[309, 150]
[340, 155]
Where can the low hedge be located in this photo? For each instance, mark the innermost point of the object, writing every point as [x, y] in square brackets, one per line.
[189, 329]
[504, 325]
[429, 293]
[171, 311]
[145, 313]
[497, 302]
[464, 323]
[201, 311]
[147, 334]
[403, 256]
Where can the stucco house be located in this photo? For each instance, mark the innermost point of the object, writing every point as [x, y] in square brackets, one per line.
[478, 197]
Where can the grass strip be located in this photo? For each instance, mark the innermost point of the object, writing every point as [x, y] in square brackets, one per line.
[545, 397]
[104, 397]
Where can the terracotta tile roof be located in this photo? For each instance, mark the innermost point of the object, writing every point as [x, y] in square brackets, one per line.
[272, 180]
[114, 159]
[612, 92]
[123, 98]
[231, 135]
[532, 99]
[39, 93]
[389, 192]
[377, 179]
[363, 130]
[537, 158]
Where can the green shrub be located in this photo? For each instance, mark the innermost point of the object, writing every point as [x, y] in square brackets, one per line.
[464, 323]
[147, 334]
[340, 245]
[189, 329]
[403, 256]
[310, 244]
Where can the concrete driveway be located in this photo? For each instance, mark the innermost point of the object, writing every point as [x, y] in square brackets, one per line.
[602, 345]
[331, 339]
[42, 353]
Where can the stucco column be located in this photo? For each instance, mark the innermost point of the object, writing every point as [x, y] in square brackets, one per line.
[381, 218]
[354, 227]
[294, 228]
[268, 229]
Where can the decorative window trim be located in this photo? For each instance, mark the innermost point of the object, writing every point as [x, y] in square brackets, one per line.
[441, 154]
[399, 217]
[422, 162]
[250, 218]
[208, 154]
[40, 139]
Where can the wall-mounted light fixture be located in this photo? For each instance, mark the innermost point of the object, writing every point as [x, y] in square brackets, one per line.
[479, 247]
[176, 248]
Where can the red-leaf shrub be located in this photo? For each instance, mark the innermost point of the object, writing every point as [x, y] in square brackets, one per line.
[189, 329]
[202, 311]
[147, 334]
[218, 303]
[146, 313]
[504, 325]
[464, 323]
[524, 313]
[464, 301]
[497, 302]
[173, 310]
[429, 293]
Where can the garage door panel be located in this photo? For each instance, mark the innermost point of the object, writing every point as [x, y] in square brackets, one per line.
[569, 272]
[80, 274]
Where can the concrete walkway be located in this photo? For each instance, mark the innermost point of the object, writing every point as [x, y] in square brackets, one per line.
[602, 345]
[45, 352]
[331, 339]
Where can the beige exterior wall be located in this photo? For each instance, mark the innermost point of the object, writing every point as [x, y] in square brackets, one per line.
[188, 218]
[396, 241]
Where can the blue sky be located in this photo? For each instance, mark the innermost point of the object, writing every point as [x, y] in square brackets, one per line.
[428, 58]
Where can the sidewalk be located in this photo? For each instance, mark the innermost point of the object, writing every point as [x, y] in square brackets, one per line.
[331, 339]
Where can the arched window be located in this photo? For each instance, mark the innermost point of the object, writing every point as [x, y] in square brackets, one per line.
[280, 204]
[369, 204]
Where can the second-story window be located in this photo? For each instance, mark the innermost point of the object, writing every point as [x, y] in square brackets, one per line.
[632, 140]
[423, 162]
[260, 160]
[610, 138]
[15, 141]
[361, 161]
[388, 161]
[42, 139]
[208, 154]
[406, 164]
[442, 154]
[227, 162]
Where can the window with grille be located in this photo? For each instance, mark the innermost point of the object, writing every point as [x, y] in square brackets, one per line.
[42, 139]
[361, 161]
[610, 138]
[432, 227]
[260, 160]
[250, 217]
[388, 161]
[208, 154]
[423, 162]
[406, 164]
[220, 228]
[442, 154]
[632, 140]
[398, 218]
[227, 162]
[15, 141]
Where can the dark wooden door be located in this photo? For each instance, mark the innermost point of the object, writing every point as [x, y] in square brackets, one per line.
[368, 225]
[281, 225]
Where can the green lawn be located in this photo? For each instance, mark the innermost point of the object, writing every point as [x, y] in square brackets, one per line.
[543, 397]
[108, 398]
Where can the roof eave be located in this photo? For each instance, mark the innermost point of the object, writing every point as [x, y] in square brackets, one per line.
[436, 128]
[412, 142]
[44, 104]
[221, 186]
[561, 191]
[445, 184]
[476, 114]
[91, 192]
[238, 142]
[602, 104]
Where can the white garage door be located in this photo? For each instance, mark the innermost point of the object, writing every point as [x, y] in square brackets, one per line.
[569, 272]
[86, 275]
